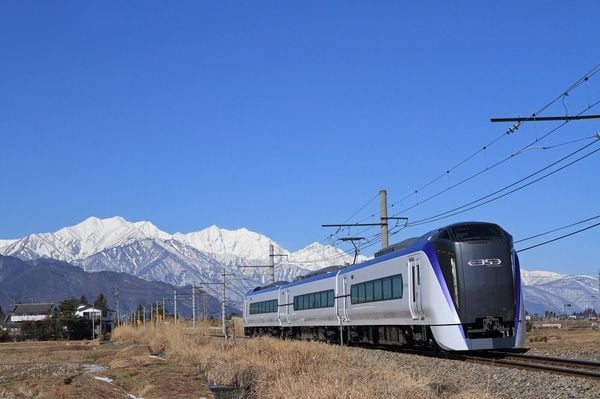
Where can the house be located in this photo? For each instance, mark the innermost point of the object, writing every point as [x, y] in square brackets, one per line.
[88, 312]
[26, 312]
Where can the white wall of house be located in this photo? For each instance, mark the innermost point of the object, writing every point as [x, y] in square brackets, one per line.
[31, 317]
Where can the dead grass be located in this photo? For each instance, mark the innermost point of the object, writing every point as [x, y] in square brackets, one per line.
[271, 368]
[564, 339]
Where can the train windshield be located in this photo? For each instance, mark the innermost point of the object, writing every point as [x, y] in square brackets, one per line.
[476, 232]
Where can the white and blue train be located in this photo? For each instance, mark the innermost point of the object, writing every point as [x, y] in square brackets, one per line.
[457, 288]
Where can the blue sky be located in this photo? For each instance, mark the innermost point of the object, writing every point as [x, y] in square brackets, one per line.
[282, 116]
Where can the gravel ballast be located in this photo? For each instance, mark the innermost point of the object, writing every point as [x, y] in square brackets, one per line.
[453, 377]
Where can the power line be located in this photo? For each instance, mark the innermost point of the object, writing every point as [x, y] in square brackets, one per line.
[557, 229]
[458, 210]
[592, 72]
[559, 238]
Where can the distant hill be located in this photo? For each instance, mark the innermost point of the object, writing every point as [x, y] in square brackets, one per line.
[48, 280]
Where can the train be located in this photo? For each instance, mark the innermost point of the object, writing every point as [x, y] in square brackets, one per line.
[455, 288]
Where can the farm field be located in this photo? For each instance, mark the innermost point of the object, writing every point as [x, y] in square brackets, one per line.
[69, 370]
[268, 368]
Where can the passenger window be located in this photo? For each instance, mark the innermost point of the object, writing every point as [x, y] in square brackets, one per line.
[317, 300]
[387, 288]
[377, 290]
[324, 298]
[397, 286]
[369, 291]
[361, 293]
[330, 298]
[354, 294]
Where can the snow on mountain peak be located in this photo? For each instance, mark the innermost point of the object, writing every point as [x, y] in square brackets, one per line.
[83, 239]
[316, 255]
[539, 277]
[241, 242]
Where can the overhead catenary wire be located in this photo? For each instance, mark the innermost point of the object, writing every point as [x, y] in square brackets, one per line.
[557, 229]
[498, 163]
[559, 238]
[564, 93]
[457, 210]
[584, 79]
[467, 207]
[538, 139]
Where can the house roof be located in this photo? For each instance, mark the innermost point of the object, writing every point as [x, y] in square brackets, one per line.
[22, 309]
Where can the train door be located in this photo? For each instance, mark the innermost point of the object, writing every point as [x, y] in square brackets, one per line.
[281, 309]
[284, 307]
[414, 288]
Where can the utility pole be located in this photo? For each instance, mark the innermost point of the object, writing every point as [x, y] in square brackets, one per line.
[383, 218]
[223, 321]
[144, 316]
[271, 265]
[116, 292]
[383, 221]
[164, 312]
[205, 313]
[194, 306]
[175, 304]
[272, 261]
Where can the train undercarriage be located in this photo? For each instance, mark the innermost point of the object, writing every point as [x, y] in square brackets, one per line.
[373, 335]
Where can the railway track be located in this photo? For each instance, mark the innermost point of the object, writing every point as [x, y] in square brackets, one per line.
[570, 367]
[555, 365]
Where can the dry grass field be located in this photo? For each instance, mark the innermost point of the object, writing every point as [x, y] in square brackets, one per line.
[271, 368]
[192, 360]
[69, 370]
[573, 339]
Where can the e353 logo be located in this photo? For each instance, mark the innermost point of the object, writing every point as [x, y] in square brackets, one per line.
[485, 262]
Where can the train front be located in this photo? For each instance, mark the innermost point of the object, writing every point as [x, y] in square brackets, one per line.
[481, 272]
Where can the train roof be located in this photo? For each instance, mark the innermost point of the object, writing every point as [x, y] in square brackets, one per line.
[406, 246]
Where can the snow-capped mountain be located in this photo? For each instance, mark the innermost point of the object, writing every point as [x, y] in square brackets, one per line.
[82, 240]
[241, 243]
[548, 291]
[143, 250]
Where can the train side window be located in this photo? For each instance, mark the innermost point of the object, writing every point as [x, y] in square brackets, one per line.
[387, 288]
[377, 290]
[324, 298]
[330, 298]
[361, 293]
[354, 294]
[369, 291]
[317, 300]
[306, 300]
[397, 286]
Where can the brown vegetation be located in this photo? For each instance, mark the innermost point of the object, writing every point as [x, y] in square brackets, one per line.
[271, 368]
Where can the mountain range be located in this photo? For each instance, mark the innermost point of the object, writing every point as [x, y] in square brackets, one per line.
[141, 249]
[49, 280]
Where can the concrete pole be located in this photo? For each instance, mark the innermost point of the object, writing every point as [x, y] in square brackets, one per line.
[164, 311]
[223, 321]
[272, 262]
[384, 219]
[175, 305]
[194, 306]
